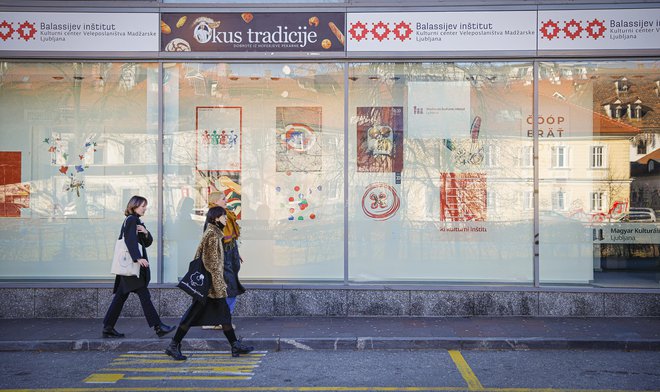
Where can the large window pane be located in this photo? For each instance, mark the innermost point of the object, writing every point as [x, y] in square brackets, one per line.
[78, 140]
[271, 137]
[440, 172]
[599, 143]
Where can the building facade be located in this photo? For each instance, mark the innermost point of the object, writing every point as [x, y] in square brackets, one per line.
[418, 160]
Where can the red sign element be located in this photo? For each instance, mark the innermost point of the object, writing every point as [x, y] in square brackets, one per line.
[596, 29]
[26, 31]
[572, 29]
[402, 31]
[381, 31]
[550, 29]
[6, 30]
[358, 31]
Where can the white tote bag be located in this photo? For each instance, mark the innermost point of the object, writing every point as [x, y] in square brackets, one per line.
[122, 263]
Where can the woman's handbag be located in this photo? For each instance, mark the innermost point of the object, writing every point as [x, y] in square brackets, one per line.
[122, 262]
[197, 281]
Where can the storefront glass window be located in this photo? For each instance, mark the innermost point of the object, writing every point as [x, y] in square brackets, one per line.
[599, 146]
[78, 140]
[438, 177]
[270, 137]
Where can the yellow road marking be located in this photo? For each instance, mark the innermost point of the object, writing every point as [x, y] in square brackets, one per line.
[221, 361]
[108, 378]
[232, 369]
[466, 371]
[188, 378]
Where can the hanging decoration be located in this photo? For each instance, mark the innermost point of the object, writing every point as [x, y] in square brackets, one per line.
[59, 156]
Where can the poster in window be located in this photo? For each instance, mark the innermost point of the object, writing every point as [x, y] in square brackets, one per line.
[463, 197]
[380, 139]
[298, 133]
[14, 194]
[219, 137]
[226, 182]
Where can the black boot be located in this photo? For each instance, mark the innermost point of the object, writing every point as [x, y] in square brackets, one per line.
[239, 348]
[174, 351]
[162, 329]
[111, 332]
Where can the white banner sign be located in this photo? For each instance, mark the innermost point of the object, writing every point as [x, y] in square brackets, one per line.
[72, 32]
[599, 29]
[441, 31]
[439, 109]
[627, 233]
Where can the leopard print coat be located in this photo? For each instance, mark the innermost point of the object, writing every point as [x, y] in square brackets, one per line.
[213, 258]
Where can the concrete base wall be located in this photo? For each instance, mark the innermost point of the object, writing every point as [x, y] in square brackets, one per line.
[172, 302]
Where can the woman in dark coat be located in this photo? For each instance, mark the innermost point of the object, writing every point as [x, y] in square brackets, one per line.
[137, 239]
[214, 310]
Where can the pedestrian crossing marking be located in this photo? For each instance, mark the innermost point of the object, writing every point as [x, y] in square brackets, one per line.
[103, 378]
[200, 366]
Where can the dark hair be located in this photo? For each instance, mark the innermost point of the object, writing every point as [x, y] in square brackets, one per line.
[213, 214]
[135, 202]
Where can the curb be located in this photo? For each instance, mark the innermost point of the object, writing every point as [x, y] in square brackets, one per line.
[356, 343]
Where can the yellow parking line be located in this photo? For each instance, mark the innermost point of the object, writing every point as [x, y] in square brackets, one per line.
[466, 371]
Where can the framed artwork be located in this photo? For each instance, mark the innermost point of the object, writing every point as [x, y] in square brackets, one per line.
[380, 139]
[219, 137]
[298, 133]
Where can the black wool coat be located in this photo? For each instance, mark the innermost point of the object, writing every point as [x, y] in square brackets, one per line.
[135, 242]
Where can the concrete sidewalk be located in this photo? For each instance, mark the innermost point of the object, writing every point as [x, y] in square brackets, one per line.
[346, 333]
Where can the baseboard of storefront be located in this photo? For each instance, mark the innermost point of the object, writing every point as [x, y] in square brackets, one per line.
[92, 302]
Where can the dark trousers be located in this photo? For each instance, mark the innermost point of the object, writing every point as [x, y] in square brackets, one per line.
[118, 303]
[189, 317]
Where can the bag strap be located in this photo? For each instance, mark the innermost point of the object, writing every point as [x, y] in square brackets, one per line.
[121, 232]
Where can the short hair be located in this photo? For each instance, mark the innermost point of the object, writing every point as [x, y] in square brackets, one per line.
[213, 214]
[135, 202]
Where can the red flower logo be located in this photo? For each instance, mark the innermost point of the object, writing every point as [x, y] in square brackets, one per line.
[572, 29]
[550, 29]
[596, 29]
[6, 30]
[358, 31]
[402, 31]
[380, 31]
[26, 31]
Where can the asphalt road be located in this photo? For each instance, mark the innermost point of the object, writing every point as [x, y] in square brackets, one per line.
[325, 370]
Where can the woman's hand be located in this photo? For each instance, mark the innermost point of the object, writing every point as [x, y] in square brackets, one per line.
[142, 229]
[143, 262]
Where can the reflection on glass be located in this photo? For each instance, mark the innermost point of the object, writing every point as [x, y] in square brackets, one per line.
[270, 138]
[439, 169]
[78, 139]
[599, 145]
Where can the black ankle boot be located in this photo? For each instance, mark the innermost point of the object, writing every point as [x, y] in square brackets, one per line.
[174, 351]
[111, 332]
[239, 348]
[162, 330]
